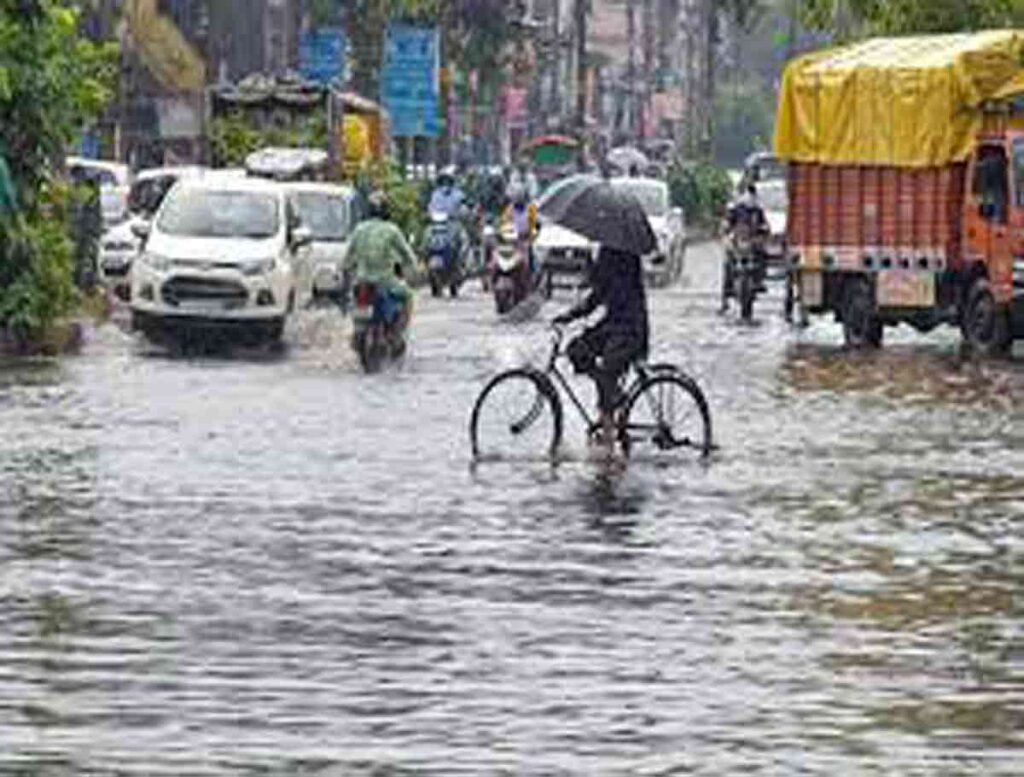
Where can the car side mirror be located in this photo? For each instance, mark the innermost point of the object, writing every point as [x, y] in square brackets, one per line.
[301, 237]
[141, 230]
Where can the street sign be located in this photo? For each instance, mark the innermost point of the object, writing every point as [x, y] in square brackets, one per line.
[322, 54]
[409, 81]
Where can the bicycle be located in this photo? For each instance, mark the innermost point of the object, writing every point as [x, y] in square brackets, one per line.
[647, 410]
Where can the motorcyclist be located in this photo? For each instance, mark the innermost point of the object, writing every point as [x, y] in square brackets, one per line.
[606, 350]
[747, 213]
[447, 197]
[379, 254]
[520, 219]
[522, 177]
[449, 200]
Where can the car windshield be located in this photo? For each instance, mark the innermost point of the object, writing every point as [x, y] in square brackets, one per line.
[323, 214]
[213, 213]
[146, 195]
[653, 196]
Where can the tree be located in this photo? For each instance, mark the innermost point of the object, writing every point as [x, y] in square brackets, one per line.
[53, 83]
[899, 17]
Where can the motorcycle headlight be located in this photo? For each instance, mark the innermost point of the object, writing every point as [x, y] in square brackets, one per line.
[156, 262]
[259, 266]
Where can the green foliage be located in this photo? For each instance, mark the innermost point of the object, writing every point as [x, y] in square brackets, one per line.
[405, 197]
[35, 278]
[701, 189]
[744, 121]
[233, 137]
[53, 83]
[899, 17]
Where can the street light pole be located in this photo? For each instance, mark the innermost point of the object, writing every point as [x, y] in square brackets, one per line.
[580, 14]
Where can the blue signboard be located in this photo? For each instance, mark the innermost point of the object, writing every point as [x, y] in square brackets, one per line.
[409, 81]
[322, 54]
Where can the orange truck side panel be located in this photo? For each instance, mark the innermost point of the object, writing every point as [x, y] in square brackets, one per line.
[886, 215]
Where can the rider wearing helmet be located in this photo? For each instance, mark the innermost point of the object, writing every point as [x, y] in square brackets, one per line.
[520, 219]
[447, 197]
[379, 254]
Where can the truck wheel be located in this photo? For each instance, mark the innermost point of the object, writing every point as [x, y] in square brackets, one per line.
[861, 327]
[985, 326]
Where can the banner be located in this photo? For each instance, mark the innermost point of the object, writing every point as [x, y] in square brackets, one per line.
[409, 81]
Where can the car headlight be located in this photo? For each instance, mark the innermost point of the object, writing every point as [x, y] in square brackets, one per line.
[259, 266]
[156, 262]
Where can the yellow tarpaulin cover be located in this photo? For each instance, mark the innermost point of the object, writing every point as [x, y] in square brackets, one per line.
[906, 102]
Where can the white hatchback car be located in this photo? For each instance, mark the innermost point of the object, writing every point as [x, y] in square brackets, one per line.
[330, 214]
[221, 253]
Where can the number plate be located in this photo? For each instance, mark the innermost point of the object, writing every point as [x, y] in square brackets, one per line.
[905, 289]
[436, 263]
[812, 289]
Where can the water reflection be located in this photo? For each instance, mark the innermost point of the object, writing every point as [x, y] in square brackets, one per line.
[908, 374]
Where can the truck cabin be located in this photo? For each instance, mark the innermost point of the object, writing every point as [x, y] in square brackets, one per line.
[997, 178]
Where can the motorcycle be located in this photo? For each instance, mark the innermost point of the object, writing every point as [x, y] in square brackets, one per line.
[744, 269]
[511, 273]
[444, 255]
[379, 333]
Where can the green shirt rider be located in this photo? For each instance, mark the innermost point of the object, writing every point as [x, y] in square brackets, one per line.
[378, 253]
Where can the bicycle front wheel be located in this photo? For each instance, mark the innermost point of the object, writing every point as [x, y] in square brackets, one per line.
[670, 413]
[517, 416]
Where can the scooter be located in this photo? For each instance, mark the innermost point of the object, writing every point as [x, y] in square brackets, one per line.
[511, 275]
[444, 255]
[379, 332]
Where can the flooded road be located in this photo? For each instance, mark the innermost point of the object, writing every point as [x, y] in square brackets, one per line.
[273, 565]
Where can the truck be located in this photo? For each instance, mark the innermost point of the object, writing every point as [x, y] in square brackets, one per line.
[905, 161]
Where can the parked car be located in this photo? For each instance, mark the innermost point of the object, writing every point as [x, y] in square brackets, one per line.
[330, 213]
[114, 180]
[221, 253]
[119, 244]
[563, 254]
[663, 266]
[775, 202]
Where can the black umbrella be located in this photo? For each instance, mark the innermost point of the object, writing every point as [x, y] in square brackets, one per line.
[594, 208]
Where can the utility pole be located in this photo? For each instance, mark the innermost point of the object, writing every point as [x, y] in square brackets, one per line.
[634, 124]
[649, 54]
[580, 23]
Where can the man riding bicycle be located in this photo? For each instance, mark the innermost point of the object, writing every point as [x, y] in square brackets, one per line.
[606, 350]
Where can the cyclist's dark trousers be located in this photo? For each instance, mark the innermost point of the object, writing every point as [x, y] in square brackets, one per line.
[605, 352]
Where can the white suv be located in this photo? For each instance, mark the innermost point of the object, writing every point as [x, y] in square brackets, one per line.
[221, 253]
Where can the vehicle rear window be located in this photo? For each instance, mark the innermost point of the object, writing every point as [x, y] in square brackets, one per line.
[325, 215]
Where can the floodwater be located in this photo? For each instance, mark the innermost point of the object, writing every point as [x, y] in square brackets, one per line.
[270, 564]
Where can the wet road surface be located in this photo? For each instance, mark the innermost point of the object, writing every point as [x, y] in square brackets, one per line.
[269, 564]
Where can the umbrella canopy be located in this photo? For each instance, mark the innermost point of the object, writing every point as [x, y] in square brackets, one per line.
[628, 157]
[592, 207]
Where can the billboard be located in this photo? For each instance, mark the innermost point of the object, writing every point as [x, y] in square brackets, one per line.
[409, 81]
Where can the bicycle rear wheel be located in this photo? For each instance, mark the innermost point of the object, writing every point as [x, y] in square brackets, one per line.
[670, 413]
[517, 416]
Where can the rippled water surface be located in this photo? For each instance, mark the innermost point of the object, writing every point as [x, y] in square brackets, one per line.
[271, 564]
